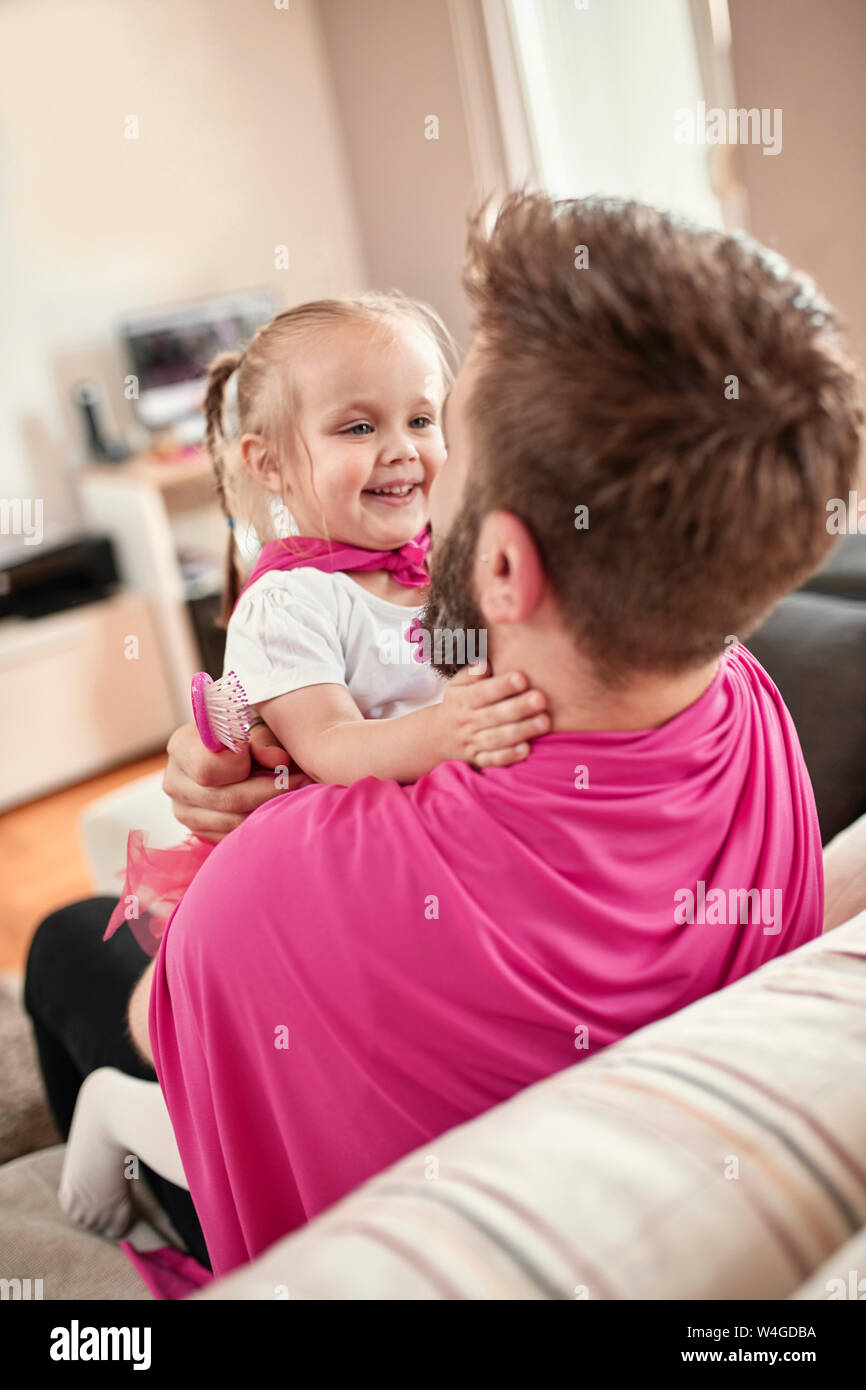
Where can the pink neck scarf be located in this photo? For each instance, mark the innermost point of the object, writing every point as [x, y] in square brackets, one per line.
[310, 552]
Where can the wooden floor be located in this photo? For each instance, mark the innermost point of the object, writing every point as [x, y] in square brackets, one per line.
[42, 857]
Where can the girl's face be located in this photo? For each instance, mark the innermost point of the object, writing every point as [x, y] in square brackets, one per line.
[369, 402]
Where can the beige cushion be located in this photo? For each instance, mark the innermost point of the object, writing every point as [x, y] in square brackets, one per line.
[25, 1121]
[38, 1242]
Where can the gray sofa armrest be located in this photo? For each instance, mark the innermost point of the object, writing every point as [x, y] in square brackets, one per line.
[814, 648]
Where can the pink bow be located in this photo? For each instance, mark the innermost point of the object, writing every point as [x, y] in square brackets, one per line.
[407, 563]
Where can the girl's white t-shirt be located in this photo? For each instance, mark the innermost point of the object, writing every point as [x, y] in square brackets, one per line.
[300, 627]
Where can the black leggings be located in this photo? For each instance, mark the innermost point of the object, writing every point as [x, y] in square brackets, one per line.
[77, 991]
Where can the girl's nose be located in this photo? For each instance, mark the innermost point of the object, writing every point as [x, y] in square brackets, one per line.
[401, 449]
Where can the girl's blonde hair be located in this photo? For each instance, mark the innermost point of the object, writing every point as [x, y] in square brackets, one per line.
[265, 402]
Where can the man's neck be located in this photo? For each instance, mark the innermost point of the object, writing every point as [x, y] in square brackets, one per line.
[577, 701]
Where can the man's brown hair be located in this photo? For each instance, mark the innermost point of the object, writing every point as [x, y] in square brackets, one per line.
[687, 388]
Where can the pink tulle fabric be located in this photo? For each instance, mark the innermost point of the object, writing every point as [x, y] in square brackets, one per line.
[155, 880]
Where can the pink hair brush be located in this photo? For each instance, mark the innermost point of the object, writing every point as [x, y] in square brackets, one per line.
[223, 714]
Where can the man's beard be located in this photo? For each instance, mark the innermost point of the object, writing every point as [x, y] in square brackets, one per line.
[451, 619]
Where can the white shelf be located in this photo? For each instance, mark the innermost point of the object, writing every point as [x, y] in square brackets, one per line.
[85, 694]
[152, 510]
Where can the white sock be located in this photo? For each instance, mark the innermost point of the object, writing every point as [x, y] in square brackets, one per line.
[118, 1121]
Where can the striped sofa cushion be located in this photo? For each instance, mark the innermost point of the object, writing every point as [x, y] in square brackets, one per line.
[720, 1153]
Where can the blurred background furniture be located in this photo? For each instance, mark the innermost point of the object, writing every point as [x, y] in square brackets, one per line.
[89, 687]
[169, 537]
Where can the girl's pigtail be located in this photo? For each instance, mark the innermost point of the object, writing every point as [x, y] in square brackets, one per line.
[220, 370]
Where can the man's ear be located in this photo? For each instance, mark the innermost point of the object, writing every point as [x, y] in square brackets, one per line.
[509, 577]
[259, 461]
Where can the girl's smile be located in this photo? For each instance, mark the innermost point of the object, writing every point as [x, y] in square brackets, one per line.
[396, 494]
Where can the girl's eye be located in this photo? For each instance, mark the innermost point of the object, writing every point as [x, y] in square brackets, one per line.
[353, 429]
[421, 420]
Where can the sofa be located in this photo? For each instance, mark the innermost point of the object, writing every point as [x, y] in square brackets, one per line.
[814, 647]
[719, 1153]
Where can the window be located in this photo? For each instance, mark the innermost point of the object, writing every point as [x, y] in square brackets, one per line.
[598, 84]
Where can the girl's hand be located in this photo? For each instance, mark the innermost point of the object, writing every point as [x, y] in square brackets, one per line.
[212, 793]
[487, 720]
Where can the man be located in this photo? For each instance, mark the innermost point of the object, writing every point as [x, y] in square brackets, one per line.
[640, 456]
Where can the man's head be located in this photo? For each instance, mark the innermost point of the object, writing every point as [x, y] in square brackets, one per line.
[682, 386]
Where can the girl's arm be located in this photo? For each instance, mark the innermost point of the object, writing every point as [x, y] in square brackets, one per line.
[483, 721]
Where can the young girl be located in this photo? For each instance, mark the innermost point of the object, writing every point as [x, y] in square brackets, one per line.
[338, 407]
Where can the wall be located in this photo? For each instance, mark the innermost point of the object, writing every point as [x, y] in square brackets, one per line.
[809, 201]
[394, 64]
[240, 149]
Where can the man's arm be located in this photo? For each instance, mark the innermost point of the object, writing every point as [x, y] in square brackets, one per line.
[139, 1002]
[845, 875]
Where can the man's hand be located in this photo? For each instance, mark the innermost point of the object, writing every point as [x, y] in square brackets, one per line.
[211, 793]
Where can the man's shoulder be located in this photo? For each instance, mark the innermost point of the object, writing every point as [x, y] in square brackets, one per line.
[322, 829]
[361, 806]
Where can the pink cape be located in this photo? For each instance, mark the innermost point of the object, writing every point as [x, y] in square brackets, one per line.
[356, 970]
